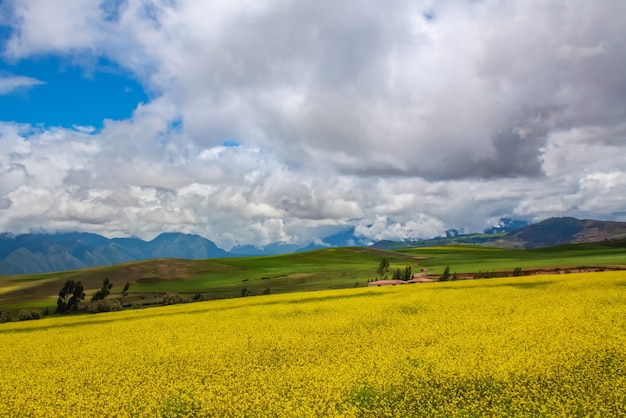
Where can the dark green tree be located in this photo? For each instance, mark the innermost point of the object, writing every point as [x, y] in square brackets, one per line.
[397, 275]
[408, 273]
[125, 290]
[383, 267]
[446, 275]
[517, 271]
[104, 291]
[70, 296]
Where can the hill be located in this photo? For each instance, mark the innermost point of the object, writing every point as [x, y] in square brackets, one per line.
[478, 239]
[40, 253]
[214, 278]
[315, 270]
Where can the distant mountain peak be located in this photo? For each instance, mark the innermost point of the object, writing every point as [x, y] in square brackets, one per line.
[39, 253]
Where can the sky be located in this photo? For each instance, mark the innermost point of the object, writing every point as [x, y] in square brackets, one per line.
[258, 122]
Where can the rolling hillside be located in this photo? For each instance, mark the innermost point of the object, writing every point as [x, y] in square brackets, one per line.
[40, 253]
[314, 270]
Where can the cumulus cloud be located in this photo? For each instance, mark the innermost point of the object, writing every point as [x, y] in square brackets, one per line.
[403, 120]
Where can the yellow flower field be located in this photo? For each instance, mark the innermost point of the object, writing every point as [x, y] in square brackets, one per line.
[527, 346]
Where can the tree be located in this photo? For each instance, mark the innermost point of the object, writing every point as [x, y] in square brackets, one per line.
[125, 291]
[104, 291]
[446, 275]
[408, 273]
[517, 271]
[397, 275]
[70, 296]
[383, 267]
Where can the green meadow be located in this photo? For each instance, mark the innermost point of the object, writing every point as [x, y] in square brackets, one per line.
[332, 268]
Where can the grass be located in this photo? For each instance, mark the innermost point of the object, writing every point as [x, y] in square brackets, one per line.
[314, 270]
[470, 259]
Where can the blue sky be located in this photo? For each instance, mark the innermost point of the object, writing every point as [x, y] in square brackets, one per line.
[70, 94]
[288, 121]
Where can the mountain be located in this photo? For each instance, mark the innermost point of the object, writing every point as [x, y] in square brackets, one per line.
[39, 253]
[547, 233]
[192, 247]
[556, 231]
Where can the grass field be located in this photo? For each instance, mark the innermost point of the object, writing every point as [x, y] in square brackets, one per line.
[551, 345]
[315, 270]
[471, 258]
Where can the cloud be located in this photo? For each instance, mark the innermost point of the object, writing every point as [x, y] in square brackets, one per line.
[403, 120]
[9, 84]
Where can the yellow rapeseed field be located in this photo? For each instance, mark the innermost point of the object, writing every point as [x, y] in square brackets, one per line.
[527, 346]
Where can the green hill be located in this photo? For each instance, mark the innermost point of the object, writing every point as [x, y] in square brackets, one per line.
[212, 278]
[314, 270]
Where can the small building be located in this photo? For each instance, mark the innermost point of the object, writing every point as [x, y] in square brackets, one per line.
[385, 283]
[420, 280]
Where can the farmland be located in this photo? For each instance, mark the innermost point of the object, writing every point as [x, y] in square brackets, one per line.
[532, 346]
[316, 270]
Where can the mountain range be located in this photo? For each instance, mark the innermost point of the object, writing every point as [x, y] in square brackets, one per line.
[547, 233]
[39, 253]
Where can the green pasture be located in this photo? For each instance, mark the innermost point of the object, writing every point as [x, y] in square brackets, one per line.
[214, 279]
[315, 270]
[471, 259]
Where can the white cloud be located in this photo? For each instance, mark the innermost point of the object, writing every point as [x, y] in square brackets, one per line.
[9, 84]
[374, 116]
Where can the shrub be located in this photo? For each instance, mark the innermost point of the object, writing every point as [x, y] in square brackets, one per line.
[103, 305]
[29, 314]
[172, 299]
[6, 316]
